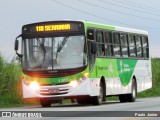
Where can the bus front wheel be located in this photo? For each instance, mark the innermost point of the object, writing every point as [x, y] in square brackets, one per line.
[97, 100]
[45, 102]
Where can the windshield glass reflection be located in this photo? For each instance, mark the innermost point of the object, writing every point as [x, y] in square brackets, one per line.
[54, 53]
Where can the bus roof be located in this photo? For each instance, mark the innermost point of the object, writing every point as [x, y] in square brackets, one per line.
[114, 28]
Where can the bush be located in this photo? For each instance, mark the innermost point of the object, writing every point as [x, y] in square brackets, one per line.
[10, 90]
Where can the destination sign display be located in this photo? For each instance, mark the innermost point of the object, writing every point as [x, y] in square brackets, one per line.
[53, 28]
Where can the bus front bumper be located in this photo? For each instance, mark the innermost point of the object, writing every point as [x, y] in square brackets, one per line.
[72, 89]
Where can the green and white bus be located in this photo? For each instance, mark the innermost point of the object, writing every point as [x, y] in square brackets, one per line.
[84, 61]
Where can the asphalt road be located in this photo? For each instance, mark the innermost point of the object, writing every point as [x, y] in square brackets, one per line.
[107, 109]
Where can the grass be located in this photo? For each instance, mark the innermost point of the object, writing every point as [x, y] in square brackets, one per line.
[11, 90]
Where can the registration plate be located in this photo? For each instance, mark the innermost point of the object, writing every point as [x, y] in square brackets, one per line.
[54, 91]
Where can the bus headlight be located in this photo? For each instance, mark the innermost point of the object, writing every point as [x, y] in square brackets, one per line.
[74, 83]
[34, 86]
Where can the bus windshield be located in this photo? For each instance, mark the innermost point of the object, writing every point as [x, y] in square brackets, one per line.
[65, 52]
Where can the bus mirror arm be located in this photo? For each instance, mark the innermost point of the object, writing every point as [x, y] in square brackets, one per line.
[19, 55]
[16, 45]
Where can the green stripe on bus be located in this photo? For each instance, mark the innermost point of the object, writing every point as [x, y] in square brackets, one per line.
[114, 68]
[125, 70]
[100, 26]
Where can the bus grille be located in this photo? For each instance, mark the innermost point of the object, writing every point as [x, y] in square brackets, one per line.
[54, 91]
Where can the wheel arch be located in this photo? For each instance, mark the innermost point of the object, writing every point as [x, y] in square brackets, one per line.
[134, 78]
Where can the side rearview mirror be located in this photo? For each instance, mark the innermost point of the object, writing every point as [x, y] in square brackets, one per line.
[93, 48]
[16, 46]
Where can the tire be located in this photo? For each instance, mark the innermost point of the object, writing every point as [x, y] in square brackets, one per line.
[132, 97]
[45, 102]
[123, 98]
[97, 100]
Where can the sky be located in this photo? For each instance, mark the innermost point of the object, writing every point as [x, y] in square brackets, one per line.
[137, 14]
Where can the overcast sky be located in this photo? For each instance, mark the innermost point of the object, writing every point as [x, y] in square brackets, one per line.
[138, 14]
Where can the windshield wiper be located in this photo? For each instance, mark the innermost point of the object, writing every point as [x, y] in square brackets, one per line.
[62, 44]
[60, 47]
[43, 47]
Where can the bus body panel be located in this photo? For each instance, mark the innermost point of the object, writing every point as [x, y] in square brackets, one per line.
[143, 75]
[118, 74]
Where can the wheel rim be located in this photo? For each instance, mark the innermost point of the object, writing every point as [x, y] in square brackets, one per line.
[134, 92]
[100, 94]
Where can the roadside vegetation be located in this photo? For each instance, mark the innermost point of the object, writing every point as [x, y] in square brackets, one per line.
[11, 90]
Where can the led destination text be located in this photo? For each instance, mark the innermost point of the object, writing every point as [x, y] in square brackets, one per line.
[59, 27]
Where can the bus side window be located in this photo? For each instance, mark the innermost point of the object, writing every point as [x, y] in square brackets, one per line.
[100, 43]
[108, 44]
[145, 47]
[116, 44]
[124, 45]
[139, 46]
[132, 49]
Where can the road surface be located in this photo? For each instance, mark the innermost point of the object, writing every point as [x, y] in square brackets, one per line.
[110, 108]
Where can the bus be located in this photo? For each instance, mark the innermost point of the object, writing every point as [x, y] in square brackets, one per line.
[84, 61]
